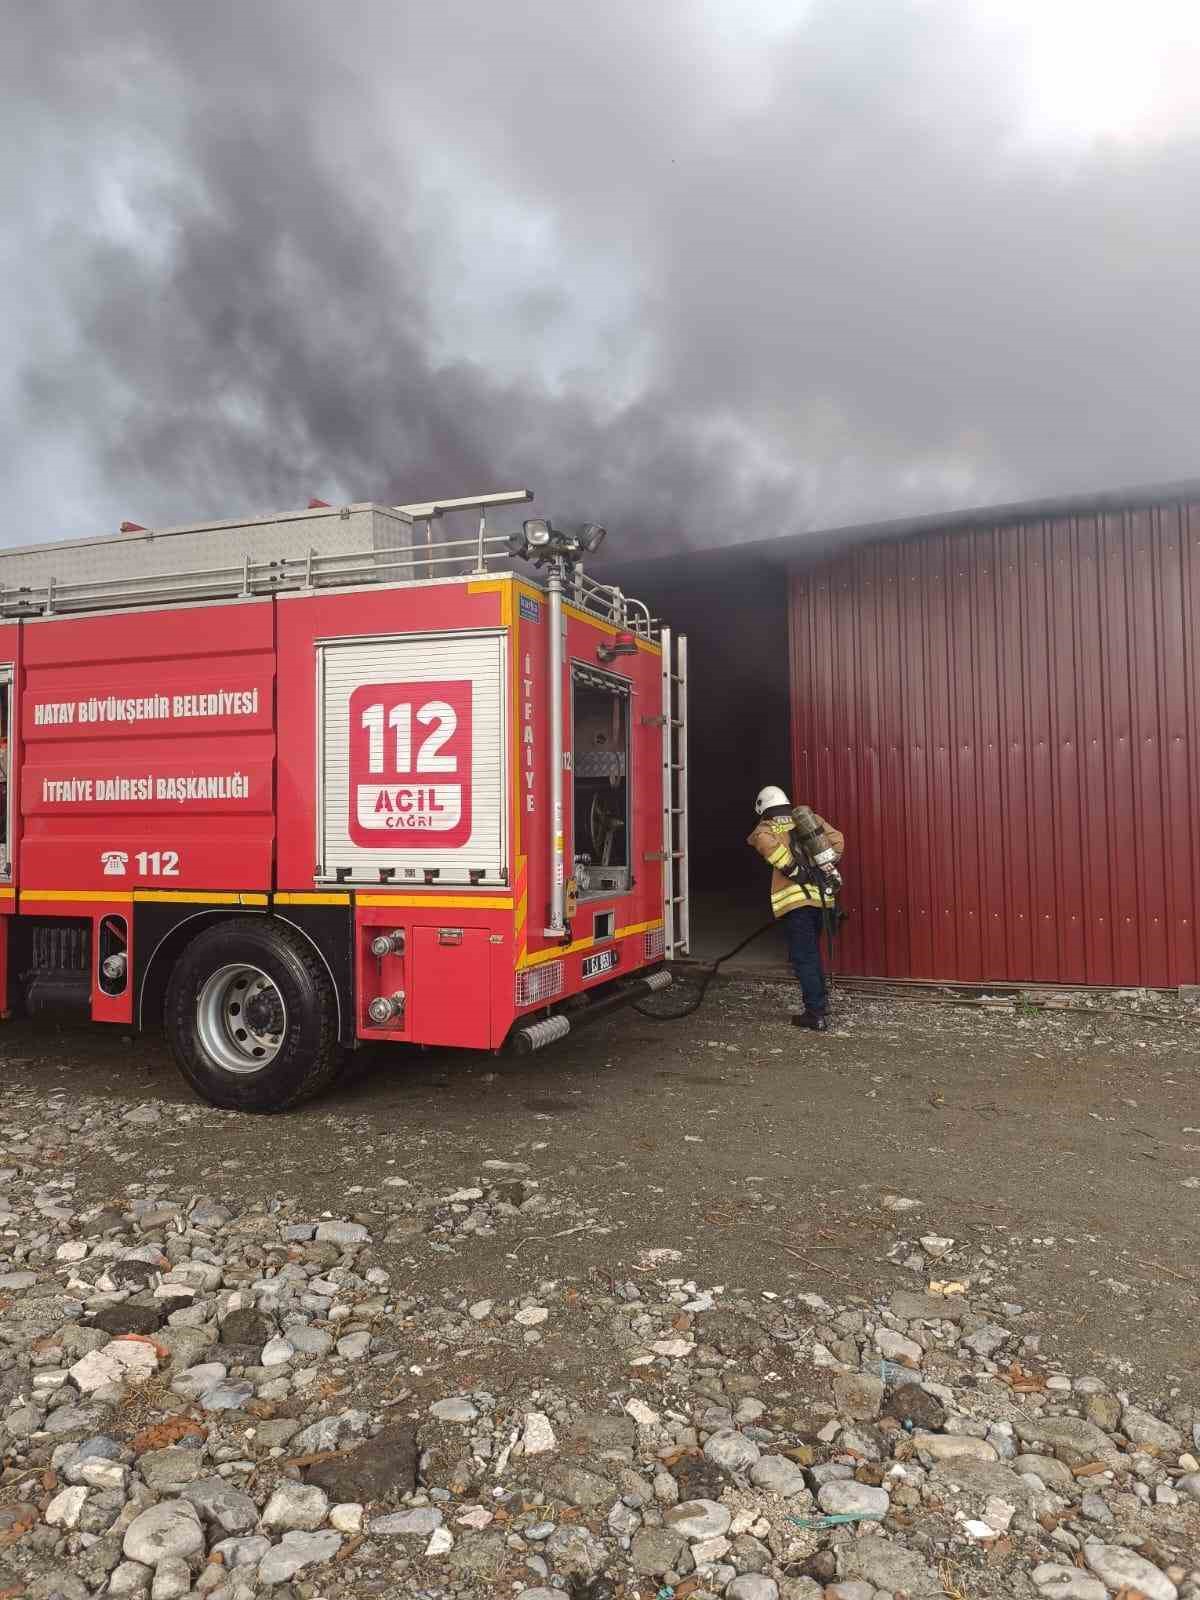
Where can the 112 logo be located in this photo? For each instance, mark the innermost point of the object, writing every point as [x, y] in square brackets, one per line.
[410, 764]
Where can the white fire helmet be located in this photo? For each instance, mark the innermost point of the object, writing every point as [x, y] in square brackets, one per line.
[771, 798]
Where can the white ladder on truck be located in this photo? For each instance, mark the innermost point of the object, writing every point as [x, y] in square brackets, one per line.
[676, 907]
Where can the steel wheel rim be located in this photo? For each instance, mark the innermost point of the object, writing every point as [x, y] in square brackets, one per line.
[241, 1019]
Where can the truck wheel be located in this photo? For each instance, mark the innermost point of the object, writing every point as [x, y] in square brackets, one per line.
[251, 1017]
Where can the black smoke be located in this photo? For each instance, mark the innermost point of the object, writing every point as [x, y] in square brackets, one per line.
[699, 291]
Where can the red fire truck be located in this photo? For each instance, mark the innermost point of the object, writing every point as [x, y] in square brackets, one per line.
[293, 784]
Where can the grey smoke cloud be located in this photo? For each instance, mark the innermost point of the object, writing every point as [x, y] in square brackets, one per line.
[701, 283]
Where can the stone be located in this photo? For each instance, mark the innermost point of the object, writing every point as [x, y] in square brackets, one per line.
[579, 1487]
[246, 1327]
[895, 1346]
[1071, 1439]
[699, 1519]
[246, 1552]
[642, 1413]
[295, 1552]
[277, 1352]
[171, 1528]
[1049, 1469]
[418, 1523]
[171, 1468]
[731, 1451]
[1094, 1508]
[1189, 1485]
[342, 1233]
[890, 1567]
[81, 1419]
[531, 1316]
[752, 1586]
[953, 1447]
[844, 1496]
[576, 1550]
[858, 1395]
[980, 1480]
[1104, 1410]
[480, 1555]
[987, 1340]
[778, 1476]
[656, 1551]
[1067, 1583]
[331, 1433]
[354, 1346]
[295, 1506]
[1120, 1568]
[222, 1506]
[227, 1397]
[172, 1579]
[480, 1311]
[128, 1316]
[538, 1437]
[131, 1577]
[121, 1361]
[66, 1508]
[347, 1518]
[457, 1410]
[383, 1468]
[309, 1341]
[1147, 1432]
[912, 1404]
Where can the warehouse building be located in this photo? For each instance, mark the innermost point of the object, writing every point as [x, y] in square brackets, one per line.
[999, 708]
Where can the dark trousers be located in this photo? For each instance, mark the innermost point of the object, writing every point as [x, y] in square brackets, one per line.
[802, 928]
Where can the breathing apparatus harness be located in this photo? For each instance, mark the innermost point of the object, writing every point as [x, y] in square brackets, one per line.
[814, 868]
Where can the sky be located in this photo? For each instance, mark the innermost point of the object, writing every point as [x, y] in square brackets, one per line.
[702, 270]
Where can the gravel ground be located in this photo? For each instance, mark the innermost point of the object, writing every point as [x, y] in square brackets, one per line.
[634, 1318]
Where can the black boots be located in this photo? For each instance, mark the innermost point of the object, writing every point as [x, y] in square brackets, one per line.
[816, 1020]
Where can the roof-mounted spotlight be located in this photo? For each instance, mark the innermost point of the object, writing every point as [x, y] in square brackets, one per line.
[538, 532]
[592, 537]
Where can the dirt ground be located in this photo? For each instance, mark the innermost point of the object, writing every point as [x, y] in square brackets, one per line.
[1062, 1149]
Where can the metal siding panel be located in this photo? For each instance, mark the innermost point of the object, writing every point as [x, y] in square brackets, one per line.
[991, 833]
[1003, 721]
[963, 673]
[1149, 797]
[916, 741]
[1063, 681]
[1094, 918]
[1172, 696]
[1190, 563]
[891, 712]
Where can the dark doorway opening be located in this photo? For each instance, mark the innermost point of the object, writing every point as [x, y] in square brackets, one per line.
[739, 725]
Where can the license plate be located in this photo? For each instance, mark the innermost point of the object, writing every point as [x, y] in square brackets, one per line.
[602, 961]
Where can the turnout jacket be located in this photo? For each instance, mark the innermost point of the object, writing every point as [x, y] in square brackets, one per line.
[772, 839]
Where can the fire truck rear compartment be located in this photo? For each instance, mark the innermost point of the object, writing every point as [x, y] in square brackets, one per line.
[600, 705]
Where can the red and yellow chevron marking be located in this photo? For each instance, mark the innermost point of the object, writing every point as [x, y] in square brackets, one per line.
[521, 908]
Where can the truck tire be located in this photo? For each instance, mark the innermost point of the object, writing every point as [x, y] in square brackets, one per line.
[252, 1017]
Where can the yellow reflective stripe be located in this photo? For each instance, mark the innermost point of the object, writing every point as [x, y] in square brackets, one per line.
[198, 897]
[121, 897]
[781, 856]
[312, 899]
[795, 895]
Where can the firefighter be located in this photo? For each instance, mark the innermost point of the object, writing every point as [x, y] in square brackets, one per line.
[803, 897]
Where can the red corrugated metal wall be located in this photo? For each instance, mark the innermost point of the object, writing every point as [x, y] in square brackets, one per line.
[1004, 722]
